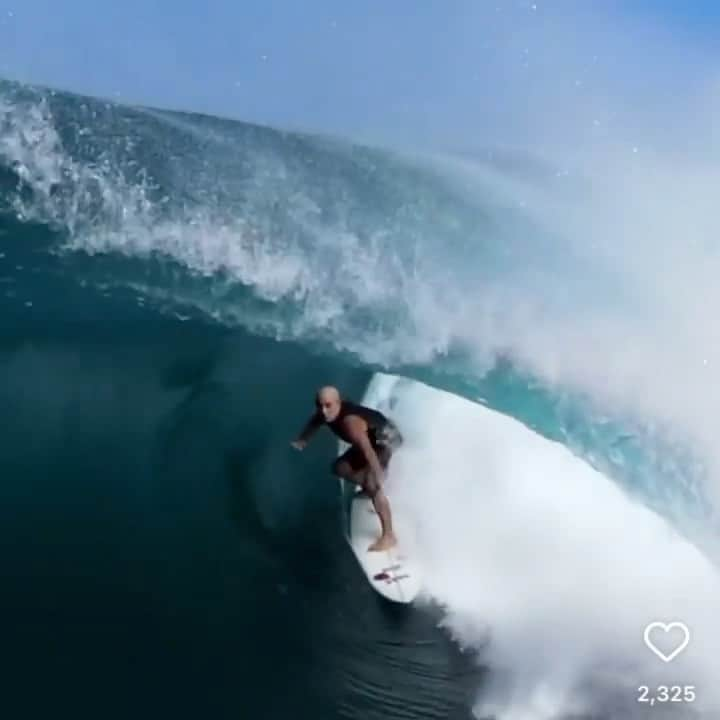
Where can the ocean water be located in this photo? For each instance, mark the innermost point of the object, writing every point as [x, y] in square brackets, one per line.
[173, 289]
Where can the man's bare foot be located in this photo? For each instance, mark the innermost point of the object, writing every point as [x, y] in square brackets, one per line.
[384, 542]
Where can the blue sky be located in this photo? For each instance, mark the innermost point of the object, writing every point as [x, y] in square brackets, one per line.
[433, 69]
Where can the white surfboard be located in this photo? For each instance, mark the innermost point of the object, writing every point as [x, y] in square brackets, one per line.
[393, 573]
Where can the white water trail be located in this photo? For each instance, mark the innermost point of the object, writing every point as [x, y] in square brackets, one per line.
[543, 565]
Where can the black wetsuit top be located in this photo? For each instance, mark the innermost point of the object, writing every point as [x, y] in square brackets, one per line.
[375, 420]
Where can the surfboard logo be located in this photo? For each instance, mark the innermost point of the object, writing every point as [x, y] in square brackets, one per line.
[387, 577]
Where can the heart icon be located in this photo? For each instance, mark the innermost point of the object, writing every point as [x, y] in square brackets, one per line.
[679, 641]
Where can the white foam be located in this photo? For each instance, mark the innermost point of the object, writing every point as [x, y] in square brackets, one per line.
[543, 564]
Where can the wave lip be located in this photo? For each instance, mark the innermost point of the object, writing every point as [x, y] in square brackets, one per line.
[352, 243]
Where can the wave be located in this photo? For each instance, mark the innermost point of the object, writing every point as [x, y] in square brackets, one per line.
[489, 283]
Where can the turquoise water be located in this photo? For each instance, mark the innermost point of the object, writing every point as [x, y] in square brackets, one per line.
[172, 290]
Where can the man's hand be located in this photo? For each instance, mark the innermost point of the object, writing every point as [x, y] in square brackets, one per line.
[311, 426]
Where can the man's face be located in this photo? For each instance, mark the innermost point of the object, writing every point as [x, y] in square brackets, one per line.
[328, 405]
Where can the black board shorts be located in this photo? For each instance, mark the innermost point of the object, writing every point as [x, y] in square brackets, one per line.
[385, 441]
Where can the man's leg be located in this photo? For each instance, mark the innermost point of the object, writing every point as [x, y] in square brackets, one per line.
[382, 506]
[348, 466]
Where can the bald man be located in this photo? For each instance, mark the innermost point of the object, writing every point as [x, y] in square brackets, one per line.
[372, 438]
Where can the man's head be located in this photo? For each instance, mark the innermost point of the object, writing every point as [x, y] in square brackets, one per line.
[328, 402]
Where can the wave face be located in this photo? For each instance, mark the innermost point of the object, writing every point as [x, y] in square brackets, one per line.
[175, 286]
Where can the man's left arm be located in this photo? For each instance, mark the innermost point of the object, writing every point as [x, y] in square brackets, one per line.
[311, 427]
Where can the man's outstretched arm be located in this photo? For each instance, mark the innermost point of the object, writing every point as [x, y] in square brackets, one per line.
[308, 431]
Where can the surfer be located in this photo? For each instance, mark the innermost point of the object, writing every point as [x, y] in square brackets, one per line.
[372, 437]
